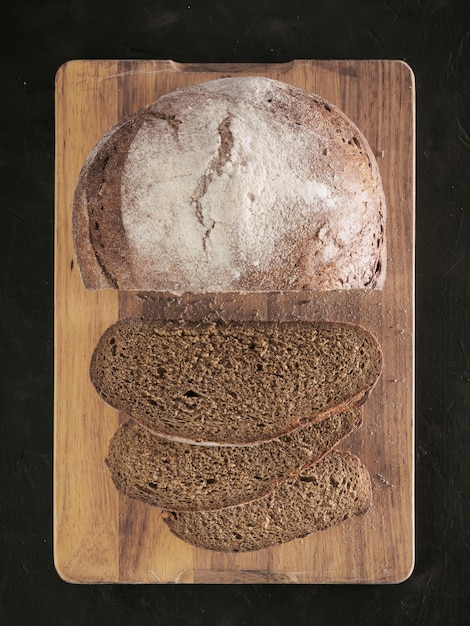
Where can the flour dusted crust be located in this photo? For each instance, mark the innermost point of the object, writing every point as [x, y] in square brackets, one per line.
[241, 183]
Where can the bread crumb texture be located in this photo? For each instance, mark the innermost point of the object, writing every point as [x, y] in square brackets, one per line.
[236, 383]
[180, 476]
[334, 489]
[241, 183]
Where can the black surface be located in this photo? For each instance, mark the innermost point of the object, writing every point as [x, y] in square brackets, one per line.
[433, 37]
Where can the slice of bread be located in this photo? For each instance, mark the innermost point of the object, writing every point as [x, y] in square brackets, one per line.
[234, 383]
[185, 477]
[239, 183]
[330, 491]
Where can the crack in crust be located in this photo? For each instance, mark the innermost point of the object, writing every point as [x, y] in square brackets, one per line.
[215, 168]
[172, 120]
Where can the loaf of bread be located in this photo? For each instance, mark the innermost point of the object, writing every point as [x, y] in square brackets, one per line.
[330, 491]
[241, 183]
[233, 383]
[184, 477]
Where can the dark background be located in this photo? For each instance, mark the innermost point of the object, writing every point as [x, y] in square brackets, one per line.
[36, 37]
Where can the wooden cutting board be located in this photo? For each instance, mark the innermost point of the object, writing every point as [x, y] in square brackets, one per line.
[101, 536]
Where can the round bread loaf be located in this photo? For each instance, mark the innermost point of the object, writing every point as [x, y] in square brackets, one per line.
[241, 183]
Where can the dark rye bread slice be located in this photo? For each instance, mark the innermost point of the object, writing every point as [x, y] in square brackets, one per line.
[334, 489]
[185, 477]
[234, 383]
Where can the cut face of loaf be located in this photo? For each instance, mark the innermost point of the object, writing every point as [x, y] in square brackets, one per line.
[233, 384]
[241, 183]
[184, 477]
[330, 491]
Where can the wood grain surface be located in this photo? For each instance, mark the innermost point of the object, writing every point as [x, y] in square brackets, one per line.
[101, 536]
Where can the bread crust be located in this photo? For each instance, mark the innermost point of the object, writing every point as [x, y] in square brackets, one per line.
[239, 183]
